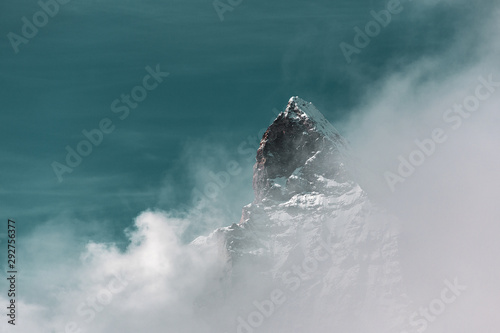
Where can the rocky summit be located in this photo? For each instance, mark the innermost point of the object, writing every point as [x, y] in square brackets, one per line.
[293, 151]
[311, 233]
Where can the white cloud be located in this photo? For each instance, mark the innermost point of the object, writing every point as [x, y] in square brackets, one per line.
[153, 283]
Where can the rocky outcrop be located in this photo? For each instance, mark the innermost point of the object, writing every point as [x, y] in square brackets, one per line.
[293, 151]
[305, 202]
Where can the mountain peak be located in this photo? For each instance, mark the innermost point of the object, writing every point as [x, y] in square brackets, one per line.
[305, 202]
[293, 151]
[297, 107]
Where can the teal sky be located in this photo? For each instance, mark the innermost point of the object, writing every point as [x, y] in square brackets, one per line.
[226, 77]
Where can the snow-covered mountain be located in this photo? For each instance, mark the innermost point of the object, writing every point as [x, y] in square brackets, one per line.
[312, 236]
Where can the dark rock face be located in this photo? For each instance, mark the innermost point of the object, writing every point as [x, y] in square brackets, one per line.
[288, 146]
